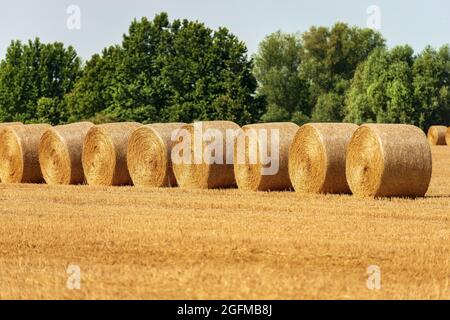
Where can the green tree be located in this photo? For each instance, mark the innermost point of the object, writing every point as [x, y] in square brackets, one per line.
[328, 108]
[330, 58]
[93, 92]
[395, 86]
[33, 71]
[382, 88]
[170, 71]
[277, 71]
[306, 76]
[431, 87]
[50, 110]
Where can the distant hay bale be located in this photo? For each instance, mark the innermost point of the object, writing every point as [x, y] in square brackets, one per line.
[60, 152]
[436, 135]
[104, 156]
[199, 168]
[149, 155]
[258, 169]
[317, 158]
[19, 153]
[389, 160]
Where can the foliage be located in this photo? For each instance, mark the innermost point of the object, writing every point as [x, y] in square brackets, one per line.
[310, 73]
[163, 71]
[184, 71]
[395, 86]
[33, 71]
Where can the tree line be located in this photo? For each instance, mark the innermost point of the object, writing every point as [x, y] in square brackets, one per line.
[183, 71]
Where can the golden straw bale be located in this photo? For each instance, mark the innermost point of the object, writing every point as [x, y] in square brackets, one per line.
[60, 152]
[203, 169]
[447, 137]
[19, 153]
[317, 157]
[6, 124]
[436, 135]
[104, 154]
[254, 167]
[387, 160]
[149, 155]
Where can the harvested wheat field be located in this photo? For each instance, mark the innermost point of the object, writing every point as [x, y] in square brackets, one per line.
[211, 244]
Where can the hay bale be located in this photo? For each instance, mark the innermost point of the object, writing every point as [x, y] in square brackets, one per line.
[149, 155]
[447, 137]
[436, 135]
[6, 124]
[256, 170]
[317, 158]
[60, 151]
[104, 156]
[19, 153]
[387, 160]
[203, 172]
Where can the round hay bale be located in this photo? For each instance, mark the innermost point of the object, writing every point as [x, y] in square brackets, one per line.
[317, 158]
[149, 155]
[104, 156]
[389, 160]
[60, 151]
[436, 135]
[19, 153]
[254, 168]
[199, 168]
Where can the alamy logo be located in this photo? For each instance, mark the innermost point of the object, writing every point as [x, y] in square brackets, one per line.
[214, 146]
[74, 278]
[374, 279]
[74, 19]
[374, 19]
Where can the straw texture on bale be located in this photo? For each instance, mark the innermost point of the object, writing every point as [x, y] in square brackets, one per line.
[317, 158]
[436, 135]
[447, 137]
[149, 155]
[203, 175]
[104, 156]
[6, 124]
[19, 153]
[389, 160]
[60, 152]
[249, 173]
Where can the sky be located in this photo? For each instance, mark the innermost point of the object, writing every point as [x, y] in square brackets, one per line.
[91, 25]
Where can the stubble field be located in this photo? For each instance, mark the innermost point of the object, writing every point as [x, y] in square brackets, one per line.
[178, 244]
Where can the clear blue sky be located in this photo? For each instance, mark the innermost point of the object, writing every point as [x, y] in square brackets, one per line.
[103, 22]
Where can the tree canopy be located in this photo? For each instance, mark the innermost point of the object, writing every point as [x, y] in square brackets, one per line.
[169, 71]
[34, 78]
[395, 86]
[306, 76]
[183, 71]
